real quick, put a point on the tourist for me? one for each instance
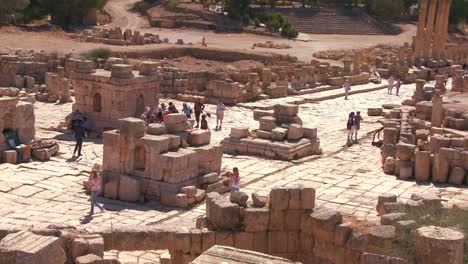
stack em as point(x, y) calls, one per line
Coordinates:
point(77, 115)
point(187, 110)
point(95, 187)
point(390, 84)
point(79, 133)
point(350, 127)
point(446, 76)
point(199, 107)
point(347, 86)
point(172, 109)
point(465, 68)
point(146, 114)
point(428, 76)
point(377, 75)
point(397, 86)
point(220, 114)
point(357, 124)
point(235, 179)
point(162, 112)
point(204, 123)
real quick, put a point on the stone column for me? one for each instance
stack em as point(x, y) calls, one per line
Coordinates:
point(443, 38)
point(437, 110)
point(65, 91)
point(419, 42)
point(438, 245)
point(429, 29)
point(438, 28)
point(347, 66)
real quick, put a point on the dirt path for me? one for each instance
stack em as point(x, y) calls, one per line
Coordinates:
point(123, 16)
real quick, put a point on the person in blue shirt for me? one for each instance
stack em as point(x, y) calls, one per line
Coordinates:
point(79, 133)
point(187, 110)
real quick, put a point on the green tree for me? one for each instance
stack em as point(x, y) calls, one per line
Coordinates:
point(387, 8)
point(68, 12)
point(458, 11)
point(10, 7)
point(236, 8)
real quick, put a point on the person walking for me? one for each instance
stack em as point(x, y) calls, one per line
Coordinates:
point(198, 107)
point(390, 84)
point(187, 110)
point(397, 86)
point(347, 87)
point(79, 134)
point(350, 128)
point(357, 124)
point(95, 187)
point(220, 115)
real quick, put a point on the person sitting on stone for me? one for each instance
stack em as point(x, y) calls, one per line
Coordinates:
point(235, 179)
point(172, 109)
point(146, 114)
point(204, 123)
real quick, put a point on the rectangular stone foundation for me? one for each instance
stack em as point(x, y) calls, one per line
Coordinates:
point(222, 254)
point(284, 150)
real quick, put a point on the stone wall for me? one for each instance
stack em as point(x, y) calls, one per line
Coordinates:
point(170, 162)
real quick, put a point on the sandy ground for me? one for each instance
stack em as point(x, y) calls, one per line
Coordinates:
point(12, 38)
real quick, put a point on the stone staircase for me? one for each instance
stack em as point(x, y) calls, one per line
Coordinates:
point(333, 21)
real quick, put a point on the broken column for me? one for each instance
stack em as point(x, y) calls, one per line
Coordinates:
point(439, 245)
point(65, 91)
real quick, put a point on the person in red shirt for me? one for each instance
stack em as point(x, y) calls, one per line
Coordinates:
point(235, 179)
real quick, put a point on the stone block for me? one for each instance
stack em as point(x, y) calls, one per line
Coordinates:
point(165, 258)
point(457, 176)
point(173, 199)
point(257, 114)
point(260, 242)
point(222, 213)
point(10, 156)
point(277, 242)
point(385, 198)
point(427, 199)
point(256, 219)
point(243, 240)
point(149, 68)
point(156, 129)
point(199, 137)
point(225, 238)
point(422, 166)
point(87, 244)
point(132, 126)
point(292, 219)
point(239, 133)
point(263, 134)
point(88, 259)
point(129, 189)
point(342, 233)
point(209, 178)
point(389, 166)
point(279, 198)
point(392, 218)
point(295, 132)
point(382, 236)
point(307, 197)
point(111, 190)
point(208, 239)
point(324, 223)
point(190, 191)
point(26, 247)
point(294, 199)
point(286, 109)
point(265, 126)
point(175, 118)
point(405, 151)
point(279, 133)
point(405, 169)
point(195, 241)
point(374, 111)
point(258, 201)
point(276, 220)
point(41, 154)
point(239, 198)
point(122, 71)
point(182, 240)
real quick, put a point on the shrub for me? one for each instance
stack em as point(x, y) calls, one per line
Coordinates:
point(99, 53)
point(387, 8)
point(142, 6)
point(172, 4)
point(288, 31)
point(257, 22)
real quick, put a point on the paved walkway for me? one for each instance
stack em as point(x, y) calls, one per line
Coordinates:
point(347, 178)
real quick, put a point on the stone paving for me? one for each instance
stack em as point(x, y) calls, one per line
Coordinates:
point(346, 178)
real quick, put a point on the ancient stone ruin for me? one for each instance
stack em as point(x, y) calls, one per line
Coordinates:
point(120, 37)
point(288, 229)
point(107, 96)
point(426, 138)
point(281, 135)
point(169, 162)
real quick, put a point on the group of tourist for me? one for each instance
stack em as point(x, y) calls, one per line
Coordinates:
point(353, 126)
point(156, 114)
point(391, 84)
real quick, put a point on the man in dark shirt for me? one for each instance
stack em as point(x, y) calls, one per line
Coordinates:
point(79, 133)
point(198, 107)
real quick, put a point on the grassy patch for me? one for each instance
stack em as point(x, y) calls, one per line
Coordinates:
point(453, 218)
point(99, 53)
